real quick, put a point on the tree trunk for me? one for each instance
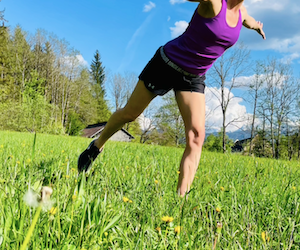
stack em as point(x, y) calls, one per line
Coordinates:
point(278, 141)
point(252, 125)
point(264, 136)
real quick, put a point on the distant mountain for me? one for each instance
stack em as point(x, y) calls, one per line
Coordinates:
point(239, 135)
point(236, 135)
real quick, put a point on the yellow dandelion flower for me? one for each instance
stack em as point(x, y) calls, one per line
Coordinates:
point(1, 146)
point(125, 199)
point(53, 211)
point(218, 209)
point(294, 188)
point(73, 169)
point(63, 151)
point(167, 219)
point(158, 229)
point(75, 180)
point(156, 181)
point(28, 160)
point(67, 176)
point(51, 151)
point(222, 188)
point(177, 229)
point(74, 197)
point(18, 162)
point(263, 236)
point(23, 145)
point(178, 172)
point(105, 234)
point(43, 155)
point(130, 201)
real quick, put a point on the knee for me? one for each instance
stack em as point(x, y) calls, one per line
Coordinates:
point(195, 137)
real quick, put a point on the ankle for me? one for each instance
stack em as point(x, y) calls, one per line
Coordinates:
point(98, 145)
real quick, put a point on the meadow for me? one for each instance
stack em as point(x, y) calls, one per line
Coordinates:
point(129, 200)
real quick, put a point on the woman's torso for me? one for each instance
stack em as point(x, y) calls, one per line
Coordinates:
point(204, 41)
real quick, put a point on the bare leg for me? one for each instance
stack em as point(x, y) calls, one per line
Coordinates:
point(192, 109)
point(139, 100)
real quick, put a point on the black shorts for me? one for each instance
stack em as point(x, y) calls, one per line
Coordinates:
point(160, 78)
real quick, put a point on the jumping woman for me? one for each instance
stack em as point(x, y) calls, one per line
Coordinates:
point(181, 65)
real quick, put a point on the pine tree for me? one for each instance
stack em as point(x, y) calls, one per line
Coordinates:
point(97, 72)
point(98, 78)
point(2, 17)
point(6, 80)
point(21, 61)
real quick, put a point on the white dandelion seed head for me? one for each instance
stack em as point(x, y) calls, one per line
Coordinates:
point(31, 198)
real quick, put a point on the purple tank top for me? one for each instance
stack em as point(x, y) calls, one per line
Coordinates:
point(204, 40)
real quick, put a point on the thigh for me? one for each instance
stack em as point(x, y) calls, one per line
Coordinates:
point(192, 109)
point(139, 99)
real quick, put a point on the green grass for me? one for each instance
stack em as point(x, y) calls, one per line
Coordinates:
point(258, 198)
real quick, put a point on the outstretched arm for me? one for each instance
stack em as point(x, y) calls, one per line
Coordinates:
point(250, 23)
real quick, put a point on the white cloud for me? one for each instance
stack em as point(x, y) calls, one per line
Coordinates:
point(139, 32)
point(289, 58)
point(281, 24)
point(148, 7)
point(289, 47)
point(275, 5)
point(177, 1)
point(133, 43)
point(73, 61)
point(179, 28)
point(235, 111)
point(283, 45)
point(81, 60)
point(145, 123)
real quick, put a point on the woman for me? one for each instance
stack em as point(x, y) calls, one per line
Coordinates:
point(181, 65)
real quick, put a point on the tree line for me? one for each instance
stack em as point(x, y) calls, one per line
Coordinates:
point(45, 87)
point(273, 93)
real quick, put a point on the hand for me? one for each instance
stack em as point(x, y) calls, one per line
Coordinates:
point(260, 29)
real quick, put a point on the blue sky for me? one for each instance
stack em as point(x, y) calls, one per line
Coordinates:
point(127, 33)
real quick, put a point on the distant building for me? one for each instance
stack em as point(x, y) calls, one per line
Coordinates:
point(94, 131)
point(239, 145)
